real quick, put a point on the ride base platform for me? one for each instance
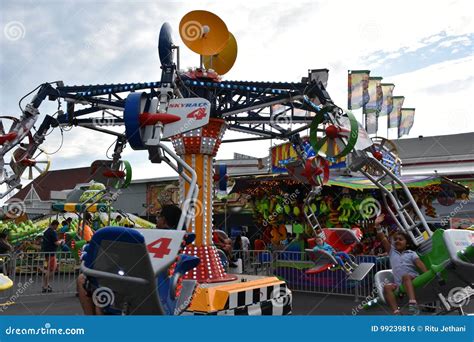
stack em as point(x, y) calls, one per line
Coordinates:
point(247, 295)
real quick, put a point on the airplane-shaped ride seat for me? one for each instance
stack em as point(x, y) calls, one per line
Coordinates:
point(117, 260)
point(341, 239)
point(446, 270)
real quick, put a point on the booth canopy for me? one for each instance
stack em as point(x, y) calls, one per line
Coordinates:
point(354, 183)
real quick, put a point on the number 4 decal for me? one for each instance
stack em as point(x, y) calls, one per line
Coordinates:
point(159, 247)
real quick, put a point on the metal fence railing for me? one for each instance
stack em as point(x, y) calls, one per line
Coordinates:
point(255, 262)
point(292, 266)
point(28, 271)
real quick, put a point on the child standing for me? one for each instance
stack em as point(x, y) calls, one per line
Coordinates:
point(405, 265)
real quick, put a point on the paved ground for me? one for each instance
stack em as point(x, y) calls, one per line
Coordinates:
point(303, 304)
point(30, 301)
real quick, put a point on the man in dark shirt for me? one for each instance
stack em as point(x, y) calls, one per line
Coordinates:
point(5, 248)
point(169, 217)
point(48, 247)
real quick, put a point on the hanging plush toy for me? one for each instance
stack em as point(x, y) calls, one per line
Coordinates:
point(430, 210)
point(346, 207)
point(278, 234)
point(333, 219)
point(356, 213)
point(323, 208)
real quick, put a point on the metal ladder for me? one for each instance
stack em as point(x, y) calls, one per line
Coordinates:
point(402, 208)
point(309, 213)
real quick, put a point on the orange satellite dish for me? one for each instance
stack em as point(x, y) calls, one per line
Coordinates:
point(203, 32)
point(224, 60)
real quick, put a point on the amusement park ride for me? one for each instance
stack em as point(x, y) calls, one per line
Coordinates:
point(193, 109)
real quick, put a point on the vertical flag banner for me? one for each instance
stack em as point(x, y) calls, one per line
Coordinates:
point(375, 95)
point(372, 108)
point(394, 115)
point(387, 101)
point(406, 121)
point(371, 124)
point(357, 90)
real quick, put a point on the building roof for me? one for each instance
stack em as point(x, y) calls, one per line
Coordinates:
point(55, 180)
point(450, 155)
point(458, 146)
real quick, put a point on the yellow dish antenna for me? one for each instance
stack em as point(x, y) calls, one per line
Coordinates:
point(224, 60)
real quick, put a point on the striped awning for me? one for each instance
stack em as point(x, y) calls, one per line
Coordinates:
point(79, 207)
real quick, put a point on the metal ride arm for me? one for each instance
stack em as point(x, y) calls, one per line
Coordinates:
point(414, 224)
point(156, 152)
point(309, 213)
point(190, 198)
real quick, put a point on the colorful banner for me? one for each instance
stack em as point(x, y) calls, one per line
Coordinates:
point(407, 118)
point(158, 195)
point(362, 183)
point(282, 155)
point(387, 100)
point(375, 96)
point(371, 123)
point(358, 83)
point(285, 153)
point(394, 116)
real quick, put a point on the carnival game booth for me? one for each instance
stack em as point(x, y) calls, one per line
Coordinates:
point(346, 207)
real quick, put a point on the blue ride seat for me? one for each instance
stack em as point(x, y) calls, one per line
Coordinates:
point(118, 258)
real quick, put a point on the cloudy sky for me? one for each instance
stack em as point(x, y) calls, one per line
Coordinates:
point(424, 47)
